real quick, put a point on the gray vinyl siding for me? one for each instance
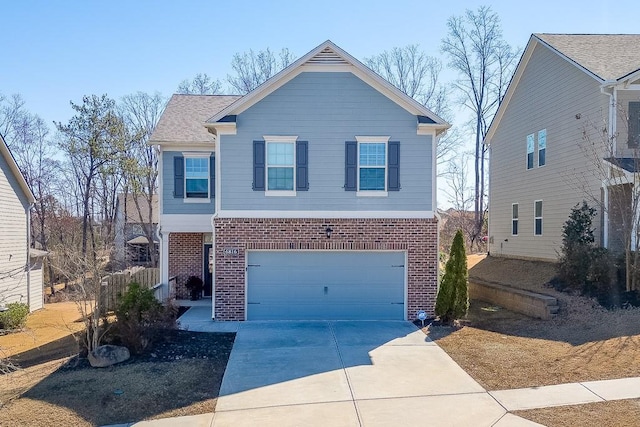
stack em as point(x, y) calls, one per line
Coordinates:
point(326, 109)
point(549, 95)
point(13, 238)
point(622, 147)
point(172, 205)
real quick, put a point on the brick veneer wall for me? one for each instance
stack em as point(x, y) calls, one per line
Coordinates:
point(416, 236)
point(185, 259)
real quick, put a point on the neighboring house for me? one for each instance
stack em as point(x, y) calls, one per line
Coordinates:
point(572, 99)
point(311, 197)
point(20, 268)
point(132, 220)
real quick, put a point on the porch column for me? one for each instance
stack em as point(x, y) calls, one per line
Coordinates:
point(634, 198)
point(164, 262)
point(605, 215)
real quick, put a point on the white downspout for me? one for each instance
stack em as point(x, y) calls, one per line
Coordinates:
point(28, 265)
point(611, 129)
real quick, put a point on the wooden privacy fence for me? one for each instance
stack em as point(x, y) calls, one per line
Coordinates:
point(116, 284)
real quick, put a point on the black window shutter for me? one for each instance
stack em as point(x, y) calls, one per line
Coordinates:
point(393, 166)
point(634, 123)
point(212, 176)
point(178, 177)
point(302, 166)
point(258, 165)
point(351, 166)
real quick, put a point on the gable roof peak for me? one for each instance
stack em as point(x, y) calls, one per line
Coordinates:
point(328, 54)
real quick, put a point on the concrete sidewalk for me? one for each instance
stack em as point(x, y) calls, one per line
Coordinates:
point(365, 374)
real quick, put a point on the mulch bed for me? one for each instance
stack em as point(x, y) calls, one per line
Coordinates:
point(176, 345)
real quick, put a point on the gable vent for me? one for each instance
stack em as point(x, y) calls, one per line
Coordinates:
point(327, 56)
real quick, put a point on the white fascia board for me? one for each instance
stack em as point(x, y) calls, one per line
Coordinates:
point(325, 214)
point(183, 148)
point(221, 128)
point(165, 144)
point(186, 223)
point(4, 151)
point(432, 128)
point(187, 146)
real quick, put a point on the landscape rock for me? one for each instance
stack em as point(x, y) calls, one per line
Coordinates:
point(107, 355)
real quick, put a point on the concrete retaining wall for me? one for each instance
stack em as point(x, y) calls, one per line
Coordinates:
point(525, 302)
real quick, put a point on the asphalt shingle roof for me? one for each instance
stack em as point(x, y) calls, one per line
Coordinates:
point(184, 117)
point(608, 56)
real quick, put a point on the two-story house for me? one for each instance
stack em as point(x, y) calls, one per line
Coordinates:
point(311, 197)
point(20, 267)
point(135, 219)
point(567, 130)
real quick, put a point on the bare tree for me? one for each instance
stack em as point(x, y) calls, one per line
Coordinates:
point(622, 193)
point(460, 197)
point(12, 111)
point(485, 62)
point(254, 68)
point(141, 112)
point(418, 75)
point(201, 84)
point(34, 154)
point(413, 72)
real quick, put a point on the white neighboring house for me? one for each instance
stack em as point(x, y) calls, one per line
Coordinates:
point(20, 276)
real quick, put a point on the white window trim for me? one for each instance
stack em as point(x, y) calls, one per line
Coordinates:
point(199, 155)
point(279, 139)
point(516, 219)
point(538, 217)
point(538, 148)
point(373, 140)
point(533, 153)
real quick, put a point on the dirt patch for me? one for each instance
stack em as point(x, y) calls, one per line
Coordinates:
point(521, 274)
point(621, 413)
point(181, 376)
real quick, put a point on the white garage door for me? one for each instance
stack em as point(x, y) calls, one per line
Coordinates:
point(325, 285)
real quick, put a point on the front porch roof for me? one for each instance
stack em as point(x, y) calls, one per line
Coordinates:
point(628, 164)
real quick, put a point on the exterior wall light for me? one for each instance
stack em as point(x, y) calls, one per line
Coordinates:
point(328, 232)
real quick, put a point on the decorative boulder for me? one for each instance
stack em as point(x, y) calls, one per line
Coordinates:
point(107, 355)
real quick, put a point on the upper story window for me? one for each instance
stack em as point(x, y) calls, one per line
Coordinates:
point(634, 124)
point(531, 143)
point(196, 177)
point(542, 147)
point(372, 166)
point(280, 166)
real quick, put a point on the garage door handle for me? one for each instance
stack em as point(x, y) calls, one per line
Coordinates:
point(252, 303)
point(326, 290)
point(397, 303)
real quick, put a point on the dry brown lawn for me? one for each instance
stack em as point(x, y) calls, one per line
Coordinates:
point(55, 321)
point(182, 377)
point(585, 342)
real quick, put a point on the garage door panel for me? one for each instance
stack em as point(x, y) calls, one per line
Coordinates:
point(325, 285)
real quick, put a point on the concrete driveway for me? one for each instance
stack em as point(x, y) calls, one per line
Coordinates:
point(348, 374)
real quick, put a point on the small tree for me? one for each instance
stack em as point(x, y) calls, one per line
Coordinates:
point(453, 297)
point(577, 245)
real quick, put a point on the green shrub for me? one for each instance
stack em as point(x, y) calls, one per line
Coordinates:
point(577, 247)
point(15, 317)
point(452, 301)
point(141, 319)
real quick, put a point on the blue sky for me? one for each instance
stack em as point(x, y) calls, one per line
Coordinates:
point(54, 52)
